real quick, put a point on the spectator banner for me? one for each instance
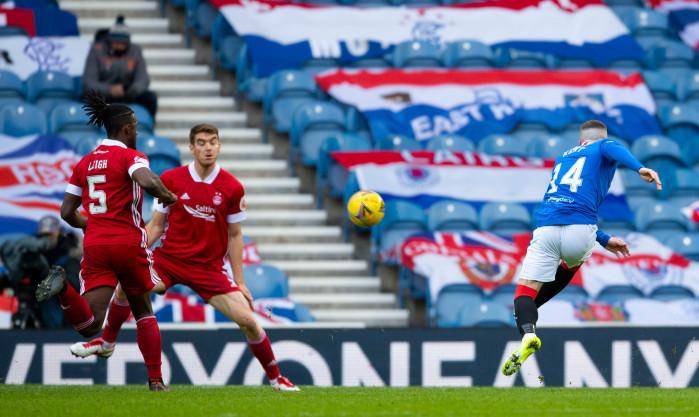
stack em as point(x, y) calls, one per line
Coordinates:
point(34, 171)
point(683, 16)
point(482, 259)
point(426, 177)
point(285, 34)
point(38, 20)
point(692, 211)
point(21, 18)
point(641, 311)
point(620, 357)
point(427, 103)
point(24, 56)
point(651, 265)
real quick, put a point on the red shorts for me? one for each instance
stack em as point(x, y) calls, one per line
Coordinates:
point(206, 282)
point(107, 265)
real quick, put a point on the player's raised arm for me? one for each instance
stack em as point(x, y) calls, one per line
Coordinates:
point(150, 182)
point(614, 151)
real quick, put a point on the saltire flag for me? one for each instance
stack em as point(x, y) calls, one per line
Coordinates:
point(21, 18)
point(683, 16)
point(692, 211)
point(426, 103)
point(478, 258)
point(285, 34)
point(425, 177)
point(34, 171)
point(24, 56)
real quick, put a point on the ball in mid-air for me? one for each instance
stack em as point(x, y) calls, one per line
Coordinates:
point(365, 208)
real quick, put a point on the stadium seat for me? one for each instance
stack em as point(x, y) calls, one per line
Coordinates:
point(488, 314)
point(661, 217)
point(643, 22)
point(22, 120)
point(688, 87)
point(667, 54)
point(397, 143)
point(451, 301)
point(311, 124)
point(162, 153)
point(451, 216)
point(318, 65)
point(331, 177)
point(686, 183)
point(12, 31)
point(401, 220)
point(549, 147)
point(503, 145)
point(657, 152)
point(416, 54)
point(10, 85)
point(468, 54)
point(145, 120)
point(225, 44)
point(356, 122)
point(450, 143)
point(686, 244)
point(573, 294)
point(49, 88)
point(504, 294)
point(660, 85)
point(303, 314)
point(266, 281)
point(248, 85)
point(505, 218)
point(377, 62)
point(671, 293)
point(69, 118)
point(681, 121)
point(618, 294)
point(521, 58)
point(286, 90)
point(86, 144)
point(204, 16)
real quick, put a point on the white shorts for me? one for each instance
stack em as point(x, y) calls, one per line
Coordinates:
point(550, 245)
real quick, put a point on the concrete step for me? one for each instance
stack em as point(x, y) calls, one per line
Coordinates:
point(271, 184)
point(325, 284)
point(228, 136)
point(322, 268)
point(188, 88)
point(195, 103)
point(278, 201)
point(282, 234)
point(110, 9)
point(271, 252)
point(259, 167)
point(168, 119)
point(284, 217)
point(136, 24)
point(370, 300)
point(169, 56)
point(179, 72)
point(370, 317)
point(239, 150)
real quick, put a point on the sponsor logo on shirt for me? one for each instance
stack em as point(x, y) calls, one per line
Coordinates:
point(201, 212)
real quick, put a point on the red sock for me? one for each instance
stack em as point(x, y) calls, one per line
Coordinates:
point(523, 290)
point(119, 312)
point(150, 344)
point(262, 349)
point(75, 308)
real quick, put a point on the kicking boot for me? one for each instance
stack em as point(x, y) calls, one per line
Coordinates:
point(283, 384)
point(530, 344)
point(94, 347)
point(157, 385)
point(54, 283)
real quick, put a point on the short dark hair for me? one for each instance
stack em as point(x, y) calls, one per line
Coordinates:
point(202, 128)
point(593, 124)
point(102, 114)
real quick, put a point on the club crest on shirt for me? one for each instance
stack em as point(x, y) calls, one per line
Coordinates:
point(218, 199)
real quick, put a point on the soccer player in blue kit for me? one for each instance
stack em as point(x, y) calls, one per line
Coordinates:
point(567, 227)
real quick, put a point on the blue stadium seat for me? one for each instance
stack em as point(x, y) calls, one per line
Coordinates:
point(618, 294)
point(452, 216)
point(377, 62)
point(69, 118)
point(162, 153)
point(488, 314)
point(681, 121)
point(635, 185)
point(248, 85)
point(686, 244)
point(225, 44)
point(549, 147)
point(662, 86)
point(657, 152)
point(317, 65)
point(397, 143)
point(303, 314)
point(416, 54)
point(688, 88)
point(504, 294)
point(356, 122)
point(12, 31)
point(468, 54)
point(10, 85)
point(451, 301)
point(286, 91)
point(330, 176)
point(646, 22)
point(49, 88)
point(311, 124)
point(667, 54)
point(450, 143)
point(145, 120)
point(266, 281)
point(505, 218)
point(686, 183)
point(661, 217)
point(573, 294)
point(401, 220)
point(521, 58)
point(503, 145)
point(672, 293)
point(86, 144)
point(22, 119)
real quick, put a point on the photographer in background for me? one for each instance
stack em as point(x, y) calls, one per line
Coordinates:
point(28, 260)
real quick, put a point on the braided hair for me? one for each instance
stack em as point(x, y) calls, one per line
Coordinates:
point(102, 114)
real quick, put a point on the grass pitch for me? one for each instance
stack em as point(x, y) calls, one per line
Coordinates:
point(189, 401)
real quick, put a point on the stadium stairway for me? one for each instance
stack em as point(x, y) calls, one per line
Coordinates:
point(290, 233)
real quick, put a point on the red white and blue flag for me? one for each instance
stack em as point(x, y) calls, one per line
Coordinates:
point(425, 103)
point(34, 171)
point(692, 212)
point(683, 16)
point(21, 18)
point(424, 177)
point(285, 34)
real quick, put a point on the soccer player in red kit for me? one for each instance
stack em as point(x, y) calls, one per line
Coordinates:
point(203, 227)
point(108, 182)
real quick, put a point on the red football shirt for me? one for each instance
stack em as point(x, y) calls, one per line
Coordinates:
point(197, 229)
point(111, 199)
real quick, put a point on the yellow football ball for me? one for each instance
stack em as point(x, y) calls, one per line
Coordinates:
point(365, 208)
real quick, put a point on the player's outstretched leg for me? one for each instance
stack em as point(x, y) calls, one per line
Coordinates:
point(234, 306)
point(148, 339)
point(526, 315)
point(564, 274)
